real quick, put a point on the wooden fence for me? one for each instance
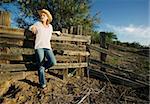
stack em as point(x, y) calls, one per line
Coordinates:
point(104, 71)
point(17, 53)
point(78, 30)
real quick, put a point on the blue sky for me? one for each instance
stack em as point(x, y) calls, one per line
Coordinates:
point(128, 19)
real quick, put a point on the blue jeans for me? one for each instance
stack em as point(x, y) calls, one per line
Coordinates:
point(45, 59)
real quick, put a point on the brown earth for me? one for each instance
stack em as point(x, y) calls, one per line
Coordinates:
point(26, 90)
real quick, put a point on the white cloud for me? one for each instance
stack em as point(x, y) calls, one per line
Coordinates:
point(131, 33)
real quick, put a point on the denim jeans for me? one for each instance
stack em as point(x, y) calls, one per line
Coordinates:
point(45, 59)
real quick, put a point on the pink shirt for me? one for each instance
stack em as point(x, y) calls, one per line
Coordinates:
point(43, 35)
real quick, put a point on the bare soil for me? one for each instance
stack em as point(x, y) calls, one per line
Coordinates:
point(74, 89)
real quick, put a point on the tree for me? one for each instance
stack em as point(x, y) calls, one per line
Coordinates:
point(110, 37)
point(65, 13)
point(95, 37)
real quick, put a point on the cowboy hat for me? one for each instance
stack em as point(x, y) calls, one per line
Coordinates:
point(47, 13)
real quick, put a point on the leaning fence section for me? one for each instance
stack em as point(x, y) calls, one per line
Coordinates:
point(17, 51)
point(113, 73)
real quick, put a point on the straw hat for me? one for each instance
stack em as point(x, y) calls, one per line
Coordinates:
point(47, 13)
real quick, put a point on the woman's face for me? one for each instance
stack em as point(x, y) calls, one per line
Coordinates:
point(43, 17)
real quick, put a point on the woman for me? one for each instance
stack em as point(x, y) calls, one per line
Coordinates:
point(43, 30)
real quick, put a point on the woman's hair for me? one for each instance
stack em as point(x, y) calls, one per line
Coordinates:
point(47, 22)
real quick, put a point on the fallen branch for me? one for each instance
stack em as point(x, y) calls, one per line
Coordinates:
point(84, 97)
point(109, 82)
point(97, 91)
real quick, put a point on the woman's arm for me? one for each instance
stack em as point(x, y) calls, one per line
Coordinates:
point(57, 32)
point(33, 29)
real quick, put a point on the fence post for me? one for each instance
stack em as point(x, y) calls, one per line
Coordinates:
point(71, 30)
point(103, 45)
point(79, 30)
point(5, 18)
point(85, 30)
point(64, 30)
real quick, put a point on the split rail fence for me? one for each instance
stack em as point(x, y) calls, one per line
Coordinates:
point(17, 53)
point(112, 73)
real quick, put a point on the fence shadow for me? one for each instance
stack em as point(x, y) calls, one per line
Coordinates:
point(30, 82)
point(29, 43)
point(29, 39)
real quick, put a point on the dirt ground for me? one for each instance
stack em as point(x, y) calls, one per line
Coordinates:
point(71, 91)
point(75, 90)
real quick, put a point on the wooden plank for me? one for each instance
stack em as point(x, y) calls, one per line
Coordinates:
point(16, 50)
point(12, 31)
point(108, 66)
point(79, 71)
point(28, 58)
point(64, 46)
point(70, 59)
point(99, 49)
point(5, 18)
point(122, 48)
point(15, 42)
point(1, 18)
point(8, 19)
point(71, 30)
point(69, 65)
point(85, 31)
point(16, 36)
point(15, 32)
point(81, 53)
point(54, 38)
point(64, 38)
point(31, 51)
point(8, 42)
point(9, 45)
point(78, 30)
point(22, 67)
point(116, 79)
point(81, 30)
point(64, 30)
point(18, 58)
point(14, 67)
point(10, 57)
point(10, 35)
point(88, 38)
point(4, 62)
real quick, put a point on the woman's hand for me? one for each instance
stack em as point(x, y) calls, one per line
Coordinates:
point(58, 33)
point(33, 29)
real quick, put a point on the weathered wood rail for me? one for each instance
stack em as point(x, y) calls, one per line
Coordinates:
point(117, 79)
point(17, 53)
point(118, 75)
point(114, 73)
